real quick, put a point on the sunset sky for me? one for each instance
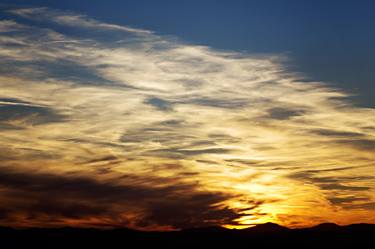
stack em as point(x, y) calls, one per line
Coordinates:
point(158, 115)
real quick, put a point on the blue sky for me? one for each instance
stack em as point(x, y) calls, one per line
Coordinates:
point(330, 41)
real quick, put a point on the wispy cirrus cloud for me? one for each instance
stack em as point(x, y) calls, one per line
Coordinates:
point(71, 19)
point(125, 103)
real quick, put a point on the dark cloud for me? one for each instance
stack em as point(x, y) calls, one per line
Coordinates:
point(260, 163)
point(202, 143)
point(195, 211)
point(352, 202)
point(331, 169)
point(203, 215)
point(182, 153)
point(335, 133)
point(244, 161)
point(283, 113)
point(332, 183)
point(361, 144)
point(171, 123)
point(103, 159)
point(355, 140)
point(95, 142)
point(38, 195)
point(9, 127)
point(29, 114)
point(165, 105)
point(28, 154)
point(337, 186)
point(221, 137)
point(310, 175)
point(206, 161)
point(191, 83)
point(156, 134)
point(14, 101)
point(65, 208)
point(218, 103)
point(366, 206)
point(205, 151)
point(346, 200)
point(342, 191)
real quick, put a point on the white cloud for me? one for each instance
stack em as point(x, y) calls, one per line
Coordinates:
point(73, 20)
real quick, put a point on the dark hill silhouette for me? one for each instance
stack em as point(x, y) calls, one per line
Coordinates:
point(267, 235)
point(326, 227)
point(360, 226)
point(211, 229)
point(266, 228)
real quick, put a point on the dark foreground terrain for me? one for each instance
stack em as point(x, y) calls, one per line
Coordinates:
point(262, 236)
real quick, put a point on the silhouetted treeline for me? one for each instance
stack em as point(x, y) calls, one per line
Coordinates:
point(262, 236)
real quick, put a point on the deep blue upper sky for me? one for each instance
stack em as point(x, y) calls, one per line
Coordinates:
point(331, 41)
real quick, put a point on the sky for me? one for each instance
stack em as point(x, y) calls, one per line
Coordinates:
point(164, 115)
point(329, 41)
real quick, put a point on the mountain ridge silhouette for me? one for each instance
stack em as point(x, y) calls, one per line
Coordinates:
point(262, 227)
point(268, 235)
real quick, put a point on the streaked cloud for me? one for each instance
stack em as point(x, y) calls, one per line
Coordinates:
point(19, 114)
point(130, 128)
point(70, 19)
